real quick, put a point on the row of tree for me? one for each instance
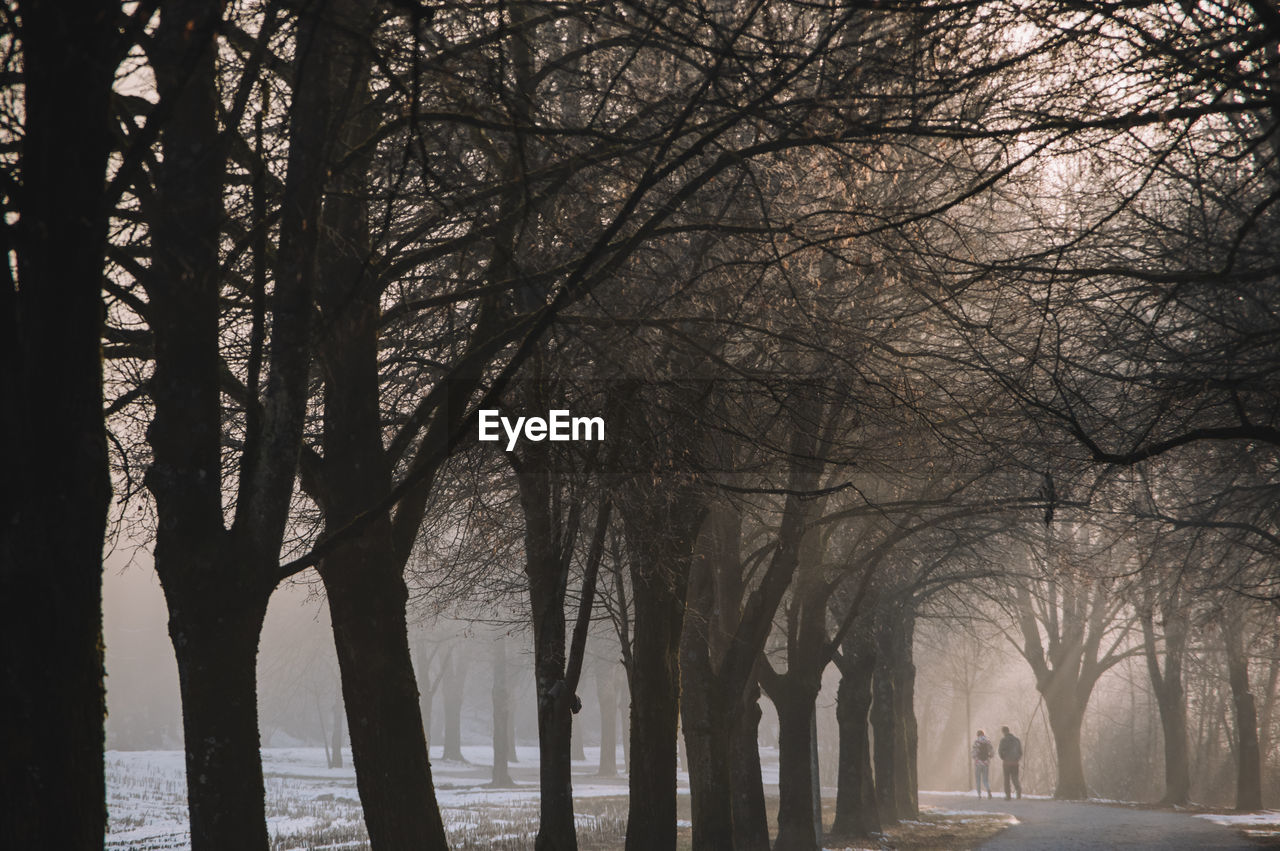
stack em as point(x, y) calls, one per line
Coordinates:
point(858, 291)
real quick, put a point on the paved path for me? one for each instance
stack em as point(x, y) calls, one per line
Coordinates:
point(1046, 825)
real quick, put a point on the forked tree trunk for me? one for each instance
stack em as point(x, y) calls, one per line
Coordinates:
point(388, 746)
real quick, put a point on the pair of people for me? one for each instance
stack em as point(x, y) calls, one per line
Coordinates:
point(1010, 752)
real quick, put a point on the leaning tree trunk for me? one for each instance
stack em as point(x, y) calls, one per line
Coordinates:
point(52, 436)
point(857, 814)
point(388, 747)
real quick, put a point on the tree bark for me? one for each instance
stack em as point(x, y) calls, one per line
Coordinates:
point(883, 708)
point(750, 816)
point(217, 649)
point(857, 814)
point(53, 506)
point(607, 695)
point(1170, 697)
point(501, 695)
point(1065, 720)
point(456, 673)
point(795, 771)
point(660, 533)
point(1248, 756)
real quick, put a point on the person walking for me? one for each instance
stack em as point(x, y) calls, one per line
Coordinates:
point(1010, 756)
point(982, 751)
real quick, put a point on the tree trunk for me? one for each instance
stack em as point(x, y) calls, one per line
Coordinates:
point(388, 747)
point(705, 718)
point(216, 643)
point(335, 760)
point(856, 812)
point(607, 695)
point(1248, 757)
point(655, 707)
point(708, 743)
point(750, 816)
point(53, 506)
point(883, 707)
point(660, 531)
point(1065, 720)
point(501, 716)
point(906, 729)
point(795, 772)
point(1171, 699)
point(452, 699)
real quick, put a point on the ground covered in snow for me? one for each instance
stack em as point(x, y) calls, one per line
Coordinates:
point(311, 806)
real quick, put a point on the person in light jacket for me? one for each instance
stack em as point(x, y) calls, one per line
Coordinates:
point(982, 751)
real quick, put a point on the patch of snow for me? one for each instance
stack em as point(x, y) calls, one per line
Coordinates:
point(1266, 817)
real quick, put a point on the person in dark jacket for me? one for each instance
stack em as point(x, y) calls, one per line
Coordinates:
point(1010, 755)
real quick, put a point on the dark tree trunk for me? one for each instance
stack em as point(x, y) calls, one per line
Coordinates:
point(796, 829)
point(708, 744)
point(216, 643)
point(53, 506)
point(607, 695)
point(660, 529)
point(655, 707)
point(706, 719)
point(501, 716)
point(906, 730)
point(556, 830)
point(1248, 756)
point(1171, 699)
point(857, 814)
point(884, 706)
point(388, 746)
point(750, 817)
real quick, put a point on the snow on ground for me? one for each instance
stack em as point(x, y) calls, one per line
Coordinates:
point(1266, 817)
point(310, 803)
